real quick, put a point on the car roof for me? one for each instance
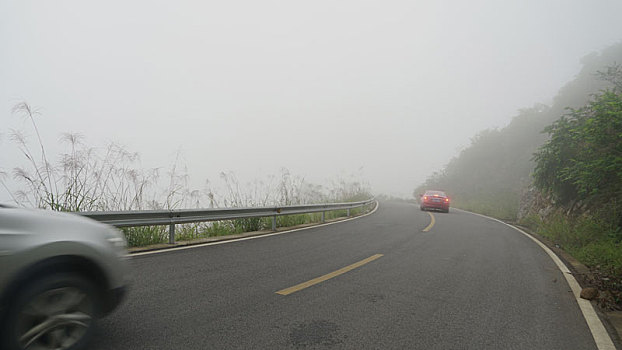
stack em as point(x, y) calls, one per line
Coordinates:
point(435, 192)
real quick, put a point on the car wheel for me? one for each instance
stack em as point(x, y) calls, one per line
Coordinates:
point(422, 208)
point(53, 312)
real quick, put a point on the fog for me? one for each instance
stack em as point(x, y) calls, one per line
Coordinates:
point(383, 91)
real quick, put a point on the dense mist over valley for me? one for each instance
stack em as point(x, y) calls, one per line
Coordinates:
point(375, 96)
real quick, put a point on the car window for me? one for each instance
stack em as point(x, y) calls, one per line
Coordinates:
point(435, 193)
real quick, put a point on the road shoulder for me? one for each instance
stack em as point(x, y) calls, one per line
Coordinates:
point(606, 327)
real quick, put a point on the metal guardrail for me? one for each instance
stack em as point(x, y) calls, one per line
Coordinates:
point(173, 217)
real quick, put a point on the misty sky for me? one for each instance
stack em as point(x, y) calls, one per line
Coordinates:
point(386, 90)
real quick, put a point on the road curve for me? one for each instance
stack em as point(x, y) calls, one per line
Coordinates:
point(467, 283)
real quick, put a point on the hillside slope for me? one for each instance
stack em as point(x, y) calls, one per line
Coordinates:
point(490, 174)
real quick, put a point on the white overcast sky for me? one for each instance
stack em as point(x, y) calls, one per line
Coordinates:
point(386, 90)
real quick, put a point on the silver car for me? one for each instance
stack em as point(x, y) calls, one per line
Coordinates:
point(58, 273)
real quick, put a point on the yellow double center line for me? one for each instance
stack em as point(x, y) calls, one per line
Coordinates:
point(432, 221)
point(328, 276)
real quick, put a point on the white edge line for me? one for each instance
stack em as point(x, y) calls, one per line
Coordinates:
point(166, 250)
point(599, 333)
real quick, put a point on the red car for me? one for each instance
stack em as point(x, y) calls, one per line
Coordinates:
point(434, 200)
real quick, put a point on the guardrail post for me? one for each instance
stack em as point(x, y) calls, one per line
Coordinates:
point(171, 234)
point(323, 217)
point(348, 212)
point(274, 223)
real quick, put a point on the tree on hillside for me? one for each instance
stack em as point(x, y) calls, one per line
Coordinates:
point(490, 175)
point(582, 161)
point(613, 75)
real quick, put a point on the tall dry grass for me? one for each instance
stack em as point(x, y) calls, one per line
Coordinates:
point(84, 178)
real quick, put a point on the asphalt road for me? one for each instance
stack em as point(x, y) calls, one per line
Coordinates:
point(467, 283)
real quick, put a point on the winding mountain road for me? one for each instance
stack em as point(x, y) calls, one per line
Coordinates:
point(377, 282)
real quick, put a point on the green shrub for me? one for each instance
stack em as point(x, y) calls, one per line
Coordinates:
point(591, 239)
point(145, 235)
point(582, 161)
point(605, 254)
point(501, 205)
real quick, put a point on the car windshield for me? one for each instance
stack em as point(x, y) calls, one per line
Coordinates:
point(436, 193)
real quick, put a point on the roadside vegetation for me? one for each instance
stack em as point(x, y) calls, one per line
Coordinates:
point(556, 170)
point(85, 178)
point(579, 171)
point(151, 235)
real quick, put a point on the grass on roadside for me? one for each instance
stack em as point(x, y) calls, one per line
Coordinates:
point(594, 239)
point(145, 235)
point(148, 235)
point(501, 205)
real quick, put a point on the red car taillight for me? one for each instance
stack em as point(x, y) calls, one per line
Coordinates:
point(447, 200)
point(425, 198)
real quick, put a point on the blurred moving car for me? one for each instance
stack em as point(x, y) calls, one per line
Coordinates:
point(434, 200)
point(58, 273)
